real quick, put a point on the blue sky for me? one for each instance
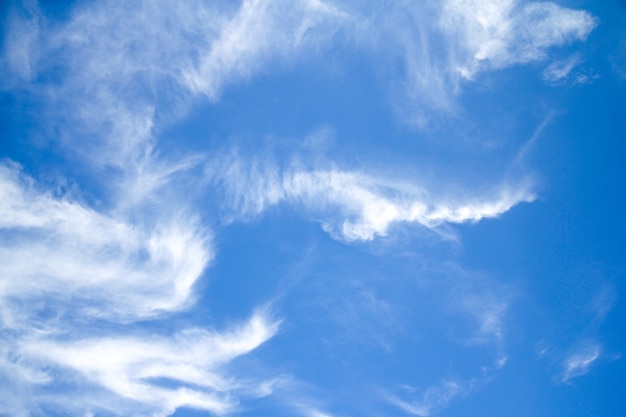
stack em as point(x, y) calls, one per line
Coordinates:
point(312, 208)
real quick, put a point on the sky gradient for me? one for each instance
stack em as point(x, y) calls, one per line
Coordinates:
point(312, 208)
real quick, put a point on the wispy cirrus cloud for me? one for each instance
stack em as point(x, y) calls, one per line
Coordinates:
point(56, 249)
point(262, 32)
point(77, 279)
point(434, 398)
point(157, 374)
point(112, 76)
point(578, 358)
point(127, 71)
point(579, 362)
point(352, 205)
point(136, 374)
point(495, 34)
point(73, 283)
point(446, 44)
point(559, 70)
point(158, 58)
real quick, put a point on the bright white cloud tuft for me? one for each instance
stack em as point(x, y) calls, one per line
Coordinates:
point(352, 205)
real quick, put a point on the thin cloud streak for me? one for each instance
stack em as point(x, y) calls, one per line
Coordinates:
point(559, 70)
point(579, 362)
point(435, 398)
point(352, 205)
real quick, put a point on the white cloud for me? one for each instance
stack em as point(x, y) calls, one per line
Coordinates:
point(352, 205)
point(565, 72)
point(75, 280)
point(308, 410)
point(559, 70)
point(435, 398)
point(488, 311)
point(260, 31)
point(72, 283)
point(70, 275)
point(123, 62)
point(489, 34)
point(139, 368)
point(124, 71)
point(128, 70)
point(430, 50)
point(579, 362)
point(131, 375)
point(61, 251)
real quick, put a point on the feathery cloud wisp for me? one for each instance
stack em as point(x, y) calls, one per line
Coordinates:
point(58, 250)
point(352, 205)
point(446, 44)
point(579, 362)
point(78, 280)
point(159, 373)
point(435, 398)
point(496, 34)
